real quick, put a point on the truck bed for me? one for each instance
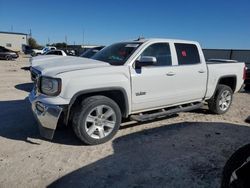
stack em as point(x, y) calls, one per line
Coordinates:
point(216, 69)
point(218, 61)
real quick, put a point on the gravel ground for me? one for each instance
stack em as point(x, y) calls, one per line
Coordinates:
point(186, 150)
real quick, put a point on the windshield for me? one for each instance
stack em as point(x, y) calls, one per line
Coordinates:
point(45, 49)
point(116, 54)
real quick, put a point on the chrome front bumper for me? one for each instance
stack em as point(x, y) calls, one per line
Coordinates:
point(47, 116)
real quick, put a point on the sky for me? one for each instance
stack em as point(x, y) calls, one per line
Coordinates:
point(214, 23)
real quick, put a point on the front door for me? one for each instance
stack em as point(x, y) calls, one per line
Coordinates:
point(151, 85)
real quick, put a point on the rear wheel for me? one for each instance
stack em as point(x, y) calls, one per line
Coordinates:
point(97, 120)
point(222, 100)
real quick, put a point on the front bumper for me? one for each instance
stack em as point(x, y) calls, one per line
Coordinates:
point(47, 116)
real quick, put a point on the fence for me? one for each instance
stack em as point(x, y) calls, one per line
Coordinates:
point(239, 55)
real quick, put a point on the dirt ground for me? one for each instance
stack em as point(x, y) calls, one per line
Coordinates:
point(187, 150)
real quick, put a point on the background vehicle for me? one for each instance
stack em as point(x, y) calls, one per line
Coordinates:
point(247, 80)
point(237, 169)
point(248, 119)
point(42, 51)
point(91, 52)
point(27, 49)
point(56, 52)
point(7, 54)
point(142, 80)
point(70, 52)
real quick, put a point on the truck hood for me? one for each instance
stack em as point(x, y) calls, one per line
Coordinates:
point(53, 65)
point(42, 59)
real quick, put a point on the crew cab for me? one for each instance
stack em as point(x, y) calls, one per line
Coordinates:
point(141, 80)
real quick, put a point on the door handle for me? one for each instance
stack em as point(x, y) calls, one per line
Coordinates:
point(170, 74)
point(201, 71)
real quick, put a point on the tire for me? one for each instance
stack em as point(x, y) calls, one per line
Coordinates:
point(9, 58)
point(236, 161)
point(219, 104)
point(96, 120)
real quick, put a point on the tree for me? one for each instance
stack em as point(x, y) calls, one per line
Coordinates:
point(60, 45)
point(32, 43)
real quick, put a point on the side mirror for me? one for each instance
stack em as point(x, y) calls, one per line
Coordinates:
point(145, 61)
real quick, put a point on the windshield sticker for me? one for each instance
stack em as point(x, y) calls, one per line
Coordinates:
point(132, 45)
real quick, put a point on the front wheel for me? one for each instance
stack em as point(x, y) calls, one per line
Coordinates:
point(97, 120)
point(222, 100)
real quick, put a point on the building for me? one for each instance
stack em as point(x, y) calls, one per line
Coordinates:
point(13, 41)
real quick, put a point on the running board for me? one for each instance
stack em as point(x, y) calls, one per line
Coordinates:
point(166, 112)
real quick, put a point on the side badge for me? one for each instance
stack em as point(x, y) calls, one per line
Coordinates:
point(140, 93)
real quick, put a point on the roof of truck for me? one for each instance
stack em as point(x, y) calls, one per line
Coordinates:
point(143, 40)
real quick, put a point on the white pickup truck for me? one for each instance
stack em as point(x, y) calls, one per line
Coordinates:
point(140, 80)
point(42, 51)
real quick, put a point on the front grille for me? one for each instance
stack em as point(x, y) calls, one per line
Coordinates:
point(34, 74)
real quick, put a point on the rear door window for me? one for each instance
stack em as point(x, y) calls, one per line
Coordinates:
point(187, 54)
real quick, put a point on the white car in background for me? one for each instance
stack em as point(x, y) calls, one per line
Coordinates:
point(56, 52)
point(43, 51)
point(48, 56)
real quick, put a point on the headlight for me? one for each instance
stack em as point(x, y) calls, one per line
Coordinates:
point(50, 86)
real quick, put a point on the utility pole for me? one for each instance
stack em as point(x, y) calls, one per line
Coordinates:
point(83, 37)
point(48, 41)
point(66, 41)
point(11, 28)
point(30, 34)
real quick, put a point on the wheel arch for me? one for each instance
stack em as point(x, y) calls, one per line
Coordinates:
point(117, 94)
point(228, 80)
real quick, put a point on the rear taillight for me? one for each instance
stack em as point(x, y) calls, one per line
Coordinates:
point(245, 73)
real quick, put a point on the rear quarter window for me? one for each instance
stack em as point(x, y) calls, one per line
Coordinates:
point(187, 54)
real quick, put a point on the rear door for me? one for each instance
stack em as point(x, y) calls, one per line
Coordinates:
point(190, 73)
